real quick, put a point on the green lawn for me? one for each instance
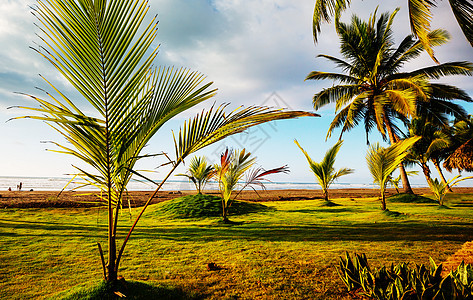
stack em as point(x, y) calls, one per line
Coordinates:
point(289, 252)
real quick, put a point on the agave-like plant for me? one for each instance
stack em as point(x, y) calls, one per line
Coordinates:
point(324, 171)
point(383, 161)
point(105, 51)
point(199, 172)
point(233, 166)
point(440, 189)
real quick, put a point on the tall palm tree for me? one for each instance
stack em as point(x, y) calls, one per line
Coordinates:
point(383, 161)
point(199, 172)
point(105, 51)
point(373, 90)
point(324, 171)
point(420, 15)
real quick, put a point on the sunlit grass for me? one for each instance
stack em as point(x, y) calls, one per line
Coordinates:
point(288, 252)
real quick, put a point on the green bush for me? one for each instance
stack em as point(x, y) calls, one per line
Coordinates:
point(403, 282)
point(206, 206)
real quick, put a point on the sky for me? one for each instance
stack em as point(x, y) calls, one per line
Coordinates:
point(255, 52)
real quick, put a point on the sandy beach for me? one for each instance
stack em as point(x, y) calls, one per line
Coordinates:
point(38, 199)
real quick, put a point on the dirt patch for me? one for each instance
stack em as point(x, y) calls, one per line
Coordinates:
point(42, 199)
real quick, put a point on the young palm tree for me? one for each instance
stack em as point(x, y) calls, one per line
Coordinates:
point(199, 172)
point(383, 161)
point(440, 189)
point(420, 15)
point(324, 171)
point(105, 51)
point(233, 167)
point(373, 90)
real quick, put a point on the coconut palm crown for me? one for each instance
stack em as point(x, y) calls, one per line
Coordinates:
point(374, 91)
point(420, 16)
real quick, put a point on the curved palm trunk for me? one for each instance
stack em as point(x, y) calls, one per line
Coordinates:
point(426, 171)
point(439, 170)
point(392, 138)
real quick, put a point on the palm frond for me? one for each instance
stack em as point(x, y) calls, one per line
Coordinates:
point(213, 125)
point(463, 11)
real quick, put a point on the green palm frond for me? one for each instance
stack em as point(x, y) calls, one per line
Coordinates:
point(323, 11)
point(215, 124)
point(325, 171)
point(420, 13)
point(383, 161)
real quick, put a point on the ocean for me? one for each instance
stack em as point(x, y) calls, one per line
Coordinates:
point(58, 183)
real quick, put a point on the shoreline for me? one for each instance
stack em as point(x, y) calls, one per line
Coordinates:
point(43, 199)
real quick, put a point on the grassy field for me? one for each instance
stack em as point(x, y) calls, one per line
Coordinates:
point(288, 252)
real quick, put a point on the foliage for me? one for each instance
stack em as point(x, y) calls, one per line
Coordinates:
point(420, 15)
point(205, 206)
point(403, 282)
point(324, 171)
point(395, 181)
point(383, 161)
point(199, 172)
point(105, 51)
point(375, 91)
point(233, 166)
point(440, 189)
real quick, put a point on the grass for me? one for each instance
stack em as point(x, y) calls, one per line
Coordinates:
point(287, 252)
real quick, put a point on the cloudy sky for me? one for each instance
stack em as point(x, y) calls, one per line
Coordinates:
point(255, 52)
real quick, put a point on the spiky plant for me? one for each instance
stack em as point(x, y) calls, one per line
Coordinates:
point(105, 51)
point(324, 171)
point(383, 161)
point(199, 172)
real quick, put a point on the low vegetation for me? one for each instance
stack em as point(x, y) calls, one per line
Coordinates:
point(287, 252)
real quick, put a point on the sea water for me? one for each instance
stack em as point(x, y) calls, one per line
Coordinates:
point(59, 183)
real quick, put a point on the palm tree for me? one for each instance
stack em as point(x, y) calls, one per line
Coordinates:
point(199, 172)
point(420, 15)
point(440, 189)
point(324, 171)
point(432, 140)
point(374, 91)
point(383, 161)
point(106, 53)
point(233, 166)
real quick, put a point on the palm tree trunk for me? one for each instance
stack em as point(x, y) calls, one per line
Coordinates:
point(325, 192)
point(383, 201)
point(426, 171)
point(392, 138)
point(439, 170)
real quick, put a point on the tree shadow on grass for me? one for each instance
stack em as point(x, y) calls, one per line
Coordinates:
point(131, 289)
point(409, 230)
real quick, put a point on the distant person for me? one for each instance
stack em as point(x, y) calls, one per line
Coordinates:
point(9, 189)
point(20, 186)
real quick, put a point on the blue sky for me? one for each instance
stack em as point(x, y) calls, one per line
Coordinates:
point(255, 52)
